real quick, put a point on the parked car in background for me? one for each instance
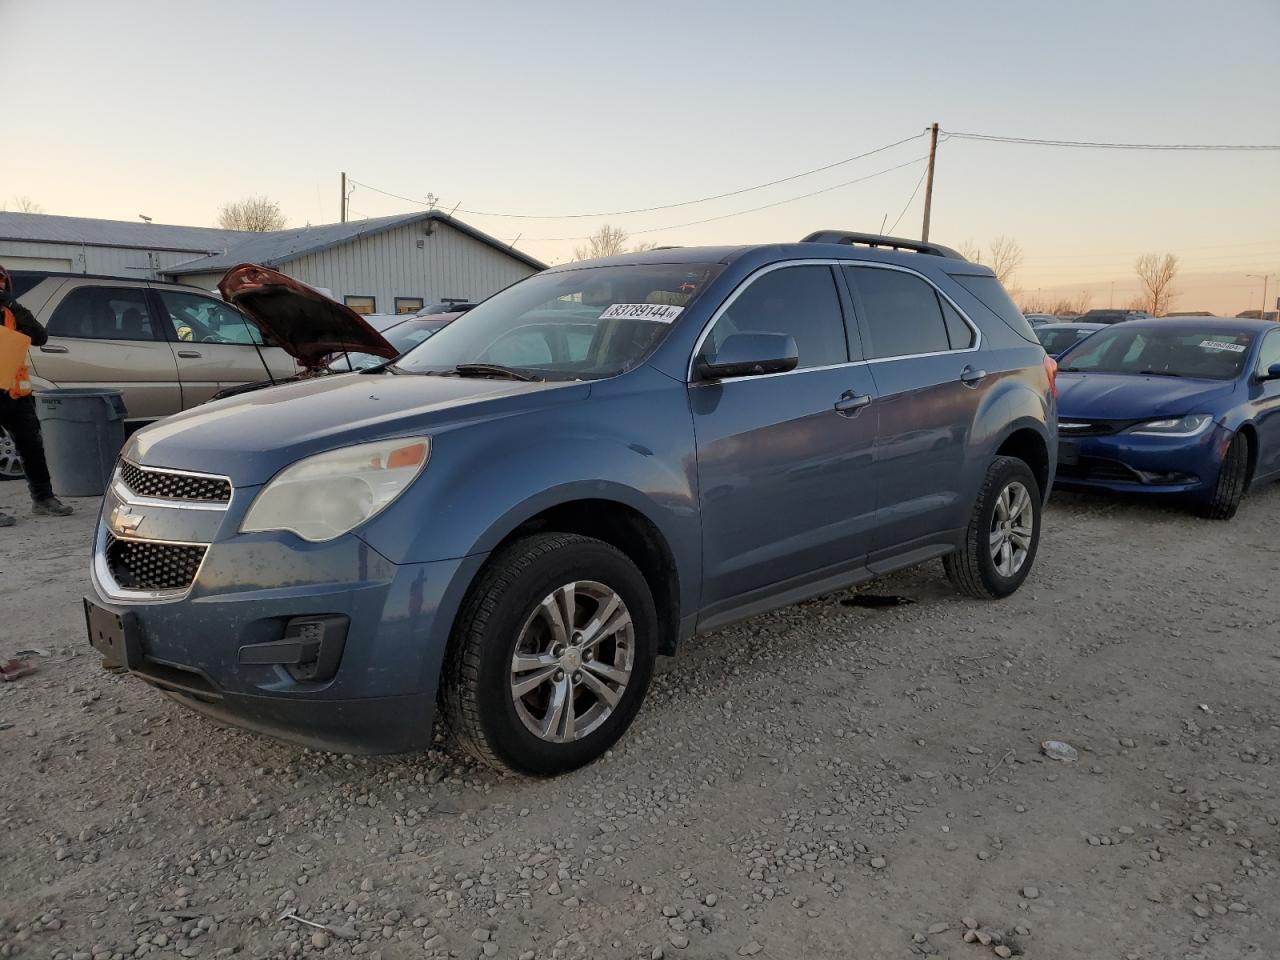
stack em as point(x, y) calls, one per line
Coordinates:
point(1183, 406)
point(165, 346)
point(446, 306)
point(1059, 337)
point(1040, 319)
point(1112, 316)
point(590, 467)
point(405, 334)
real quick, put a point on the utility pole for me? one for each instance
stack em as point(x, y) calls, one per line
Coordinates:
point(342, 208)
point(928, 183)
point(1264, 277)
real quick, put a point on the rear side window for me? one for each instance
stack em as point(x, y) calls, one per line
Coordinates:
point(993, 296)
point(104, 313)
point(900, 313)
point(800, 301)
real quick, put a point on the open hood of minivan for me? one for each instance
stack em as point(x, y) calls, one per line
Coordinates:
point(307, 324)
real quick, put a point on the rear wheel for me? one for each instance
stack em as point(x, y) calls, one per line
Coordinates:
point(1233, 477)
point(551, 655)
point(1003, 534)
point(10, 462)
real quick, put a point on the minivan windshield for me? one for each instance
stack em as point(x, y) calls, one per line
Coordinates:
point(1206, 352)
point(567, 325)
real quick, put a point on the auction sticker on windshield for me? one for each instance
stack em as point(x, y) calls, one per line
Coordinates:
point(1222, 345)
point(658, 312)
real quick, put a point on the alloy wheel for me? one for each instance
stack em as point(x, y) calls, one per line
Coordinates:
point(10, 462)
point(1012, 526)
point(572, 661)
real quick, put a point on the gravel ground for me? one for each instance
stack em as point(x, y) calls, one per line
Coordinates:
point(824, 781)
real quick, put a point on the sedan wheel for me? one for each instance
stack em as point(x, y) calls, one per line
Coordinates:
point(10, 462)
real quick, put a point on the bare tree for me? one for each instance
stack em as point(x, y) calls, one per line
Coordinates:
point(1157, 275)
point(1003, 256)
point(252, 213)
point(25, 204)
point(1057, 306)
point(605, 242)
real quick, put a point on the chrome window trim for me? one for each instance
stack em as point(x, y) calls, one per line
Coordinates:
point(782, 265)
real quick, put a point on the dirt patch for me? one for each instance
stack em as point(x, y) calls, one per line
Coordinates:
point(825, 781)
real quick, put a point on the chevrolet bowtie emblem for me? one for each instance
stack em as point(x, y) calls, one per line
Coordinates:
point(124, 521)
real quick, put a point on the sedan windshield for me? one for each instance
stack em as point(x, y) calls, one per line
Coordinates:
point(568, 325)
point(1206, 353)
point(1059, 338)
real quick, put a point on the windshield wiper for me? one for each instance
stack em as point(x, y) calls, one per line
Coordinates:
point(1158, 373)
point(492, 370)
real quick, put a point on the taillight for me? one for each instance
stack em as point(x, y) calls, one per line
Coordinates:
point(1051, 368)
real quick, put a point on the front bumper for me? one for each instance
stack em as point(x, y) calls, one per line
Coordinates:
point(1125, 463)
point(205, 644)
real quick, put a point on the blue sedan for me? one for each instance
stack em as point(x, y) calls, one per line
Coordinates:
point(1187, 406)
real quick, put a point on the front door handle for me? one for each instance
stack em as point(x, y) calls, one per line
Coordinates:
point(971, 376)
point(850, 403)
point(189, 354)
point(53, 348)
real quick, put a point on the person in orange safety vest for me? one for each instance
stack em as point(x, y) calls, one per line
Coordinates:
point(18, 412)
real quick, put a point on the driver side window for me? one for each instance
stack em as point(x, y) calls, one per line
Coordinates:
point(198, 319)
point(800, 301)
point(1269, 352)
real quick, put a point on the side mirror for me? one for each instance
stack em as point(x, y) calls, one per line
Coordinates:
point(1273, 372)
point(750, 355)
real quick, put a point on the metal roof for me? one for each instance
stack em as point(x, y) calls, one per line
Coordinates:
point(214, 249)
point(43, 228)
point(280, 246)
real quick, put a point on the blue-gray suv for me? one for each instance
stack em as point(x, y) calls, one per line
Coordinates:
point(514, 519)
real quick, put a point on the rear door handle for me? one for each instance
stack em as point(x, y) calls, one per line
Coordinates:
point(53, 348)
point(189, 354)
point(972, 377)
point(850, 403)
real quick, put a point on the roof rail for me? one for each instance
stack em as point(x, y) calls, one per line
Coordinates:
point(876, 240)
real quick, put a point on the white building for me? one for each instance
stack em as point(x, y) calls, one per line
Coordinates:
point(388, 265)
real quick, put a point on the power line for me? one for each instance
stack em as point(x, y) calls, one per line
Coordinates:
point(907, 206)
point(1099, 145)
point(663, 206)
point(739, 213)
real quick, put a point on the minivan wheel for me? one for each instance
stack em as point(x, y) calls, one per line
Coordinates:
point(1233, 477)
point(1003, 533)
point(10, 462)
point(551, 654)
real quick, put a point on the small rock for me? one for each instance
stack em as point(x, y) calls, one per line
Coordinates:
point(749, 949)
point(320, 940)
point(679, 941)
point(970, 923)
point(1002, 951)
point(1057, 750)
point(480, 934)
point(879, 863)
point(1031, 893)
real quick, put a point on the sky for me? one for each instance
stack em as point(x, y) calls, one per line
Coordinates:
point(170, 108)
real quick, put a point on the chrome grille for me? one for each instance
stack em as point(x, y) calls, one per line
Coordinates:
point(148, 565)
point(164, 485)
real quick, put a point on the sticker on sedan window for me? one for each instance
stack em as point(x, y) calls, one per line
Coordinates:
point(657, 312)
point(1222, 345)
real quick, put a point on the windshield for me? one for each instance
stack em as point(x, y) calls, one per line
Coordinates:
point(1206, 353)
point(573, 325)
point(1055, 341)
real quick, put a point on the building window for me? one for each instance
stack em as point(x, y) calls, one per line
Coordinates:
point(361, 304)
point(408, 304)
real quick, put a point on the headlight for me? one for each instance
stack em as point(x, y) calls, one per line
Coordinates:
point(1188, 426)
point(324, 496)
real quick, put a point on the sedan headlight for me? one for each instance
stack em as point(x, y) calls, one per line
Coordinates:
point(1188, 426)
point(325, 496)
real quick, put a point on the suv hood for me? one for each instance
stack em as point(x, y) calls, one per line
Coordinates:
point(302, 320)
point(251, 437)
point(1120, 396)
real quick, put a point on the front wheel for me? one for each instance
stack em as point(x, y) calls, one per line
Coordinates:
point(551, 655)
point(1003, 534)
point(1233, 477)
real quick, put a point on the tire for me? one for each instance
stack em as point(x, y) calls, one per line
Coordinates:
point(513, 607)
point(1233, 477)
point(974, 568)
point(10, 462)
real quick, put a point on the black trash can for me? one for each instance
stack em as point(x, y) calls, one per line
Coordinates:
point(83, 431)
